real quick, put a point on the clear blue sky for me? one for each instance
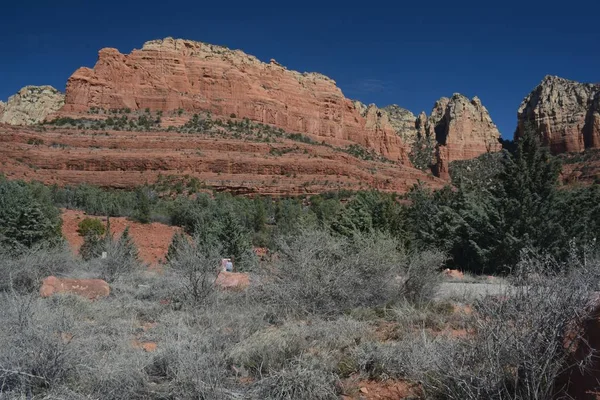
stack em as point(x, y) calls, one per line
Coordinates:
point(383, 52)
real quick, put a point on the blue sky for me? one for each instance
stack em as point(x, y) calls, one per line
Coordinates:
point(384, 52)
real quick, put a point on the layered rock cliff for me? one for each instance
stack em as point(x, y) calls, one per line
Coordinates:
point(31, 105)
point(460, 128)
point(463, 129)
point(172, 74)
point(564, 113)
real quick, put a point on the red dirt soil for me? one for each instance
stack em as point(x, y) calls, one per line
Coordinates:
point(152, 240)
point(381, 390)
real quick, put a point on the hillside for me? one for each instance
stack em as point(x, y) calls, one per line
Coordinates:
point(235, 156)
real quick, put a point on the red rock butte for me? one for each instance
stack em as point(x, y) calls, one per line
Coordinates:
point(173, 74)
point(181, 78)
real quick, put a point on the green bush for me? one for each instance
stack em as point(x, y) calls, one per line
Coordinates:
point(90, 226)
point(28, 216)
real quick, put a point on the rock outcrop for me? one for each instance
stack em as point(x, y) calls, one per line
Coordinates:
point(463, 129)
point(90, 288)
point(564, 113)
point(173, 74)
point(403, 121)
point(127, 159)
point(31, 105)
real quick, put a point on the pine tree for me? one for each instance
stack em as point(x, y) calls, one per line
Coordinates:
point(177, 242)
point(143, 206)
point(235, 241)
point(525, 198)
point(127, 247)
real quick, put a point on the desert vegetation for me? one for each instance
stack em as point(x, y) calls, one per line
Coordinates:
point(346, 295)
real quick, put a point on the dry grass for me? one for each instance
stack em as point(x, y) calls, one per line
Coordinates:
point(296, 336)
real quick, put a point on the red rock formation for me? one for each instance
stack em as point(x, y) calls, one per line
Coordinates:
point(565, 114)
point(171, 74)
point(122, 159)
point(463, 130)
point(90, 288)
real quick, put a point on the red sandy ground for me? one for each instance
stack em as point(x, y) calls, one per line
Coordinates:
point(392, 389)
point(152, 240)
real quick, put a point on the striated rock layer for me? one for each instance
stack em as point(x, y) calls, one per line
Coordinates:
point(460, 128)
point(31, 105)
point(564, 113)
point(463, 129)
point(121, 159)
point(173, 74)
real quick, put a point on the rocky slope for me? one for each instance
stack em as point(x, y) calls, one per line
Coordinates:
point(124, 159)
point(173, 74)
point(566, 114)
point(32, 104)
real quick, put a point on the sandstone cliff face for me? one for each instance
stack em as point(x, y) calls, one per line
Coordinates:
point(171, 74)
point(463, 129)
point(124, 159)
point(403, 121)
point(31, 105)
point(566, 114)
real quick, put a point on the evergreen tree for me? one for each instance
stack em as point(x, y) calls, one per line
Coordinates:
point(235, 241)
point(177, 242)
point(143, 206)
point(127, 246)
point(525, 198)
point(27, 215)
point(92, 247)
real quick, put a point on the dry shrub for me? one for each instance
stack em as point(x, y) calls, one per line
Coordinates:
point(422, 276)
point(320, 274)
point(395, 359)
point(518, 351)
point(303, 378)
point(25, 272)
point(196, 264)
point(273, 348)
point(33, 357)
